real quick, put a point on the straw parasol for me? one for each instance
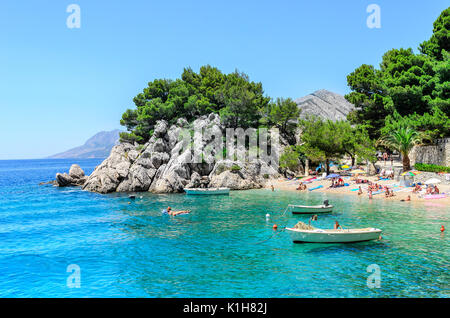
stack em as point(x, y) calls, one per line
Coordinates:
point(432, 181)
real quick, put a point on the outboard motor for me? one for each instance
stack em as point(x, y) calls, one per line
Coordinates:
point(325, 203)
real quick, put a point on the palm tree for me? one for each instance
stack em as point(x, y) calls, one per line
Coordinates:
point(403, 139)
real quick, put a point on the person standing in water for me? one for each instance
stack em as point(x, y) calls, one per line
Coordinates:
point(360, 191)
point(313, 218)
point(337, 225)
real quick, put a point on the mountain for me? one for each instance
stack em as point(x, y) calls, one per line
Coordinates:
point(98, 146)
point(325, 104)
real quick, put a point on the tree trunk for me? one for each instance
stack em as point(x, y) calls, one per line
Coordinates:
point(327, 166)
point(353, 161)
point(307, 167)
point(406, 162)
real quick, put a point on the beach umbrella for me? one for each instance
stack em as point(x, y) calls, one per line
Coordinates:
point(357, 171)
point(410, 173)
point(432, 181)
point(333, 175)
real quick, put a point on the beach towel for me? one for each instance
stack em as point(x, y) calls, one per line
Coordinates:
point(434, 196)
point(315, 188)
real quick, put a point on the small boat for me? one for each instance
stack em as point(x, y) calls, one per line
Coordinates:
point(306, 209)
point(207, 191)
point(333, 236)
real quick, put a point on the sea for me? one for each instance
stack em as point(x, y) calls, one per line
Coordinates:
point(66, 242)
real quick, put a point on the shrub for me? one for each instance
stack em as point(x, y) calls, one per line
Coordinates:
point(431, 167)
point(235, 168)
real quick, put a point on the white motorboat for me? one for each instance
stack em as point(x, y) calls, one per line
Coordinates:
point(333, 236)
point(308, 209)
point(207, 191)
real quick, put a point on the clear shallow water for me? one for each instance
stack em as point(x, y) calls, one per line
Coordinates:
point(131, 250)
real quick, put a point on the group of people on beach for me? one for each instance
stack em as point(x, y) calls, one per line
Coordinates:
point(385, 174)
point(430, 189)
point(301, 186)
point(374, 187)
point(337, 182)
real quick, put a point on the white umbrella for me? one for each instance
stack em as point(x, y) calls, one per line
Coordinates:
point(432, 181)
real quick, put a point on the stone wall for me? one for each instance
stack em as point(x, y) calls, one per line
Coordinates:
point(438, 153)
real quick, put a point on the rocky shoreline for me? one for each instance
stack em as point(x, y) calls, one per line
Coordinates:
point(162, 166)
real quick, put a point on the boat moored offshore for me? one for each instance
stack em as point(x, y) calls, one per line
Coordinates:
point(308, 209)
point(207, 191)
point(333, 236)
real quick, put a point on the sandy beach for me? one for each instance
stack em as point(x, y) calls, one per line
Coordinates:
point(400, 193)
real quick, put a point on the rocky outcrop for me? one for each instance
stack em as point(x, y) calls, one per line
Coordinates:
point(237, 175)
point(325, 104)
point(75, 177)
point(165, 163)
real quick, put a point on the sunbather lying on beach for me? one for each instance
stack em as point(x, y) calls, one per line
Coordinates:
point(417, 188)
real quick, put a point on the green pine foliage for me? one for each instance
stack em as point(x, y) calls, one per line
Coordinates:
point(239, 101)
point(406, 84)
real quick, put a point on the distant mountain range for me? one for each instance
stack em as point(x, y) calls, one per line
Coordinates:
point(98, 146)
point(325, 104)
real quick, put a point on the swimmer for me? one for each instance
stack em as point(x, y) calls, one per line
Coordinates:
point(173, 213)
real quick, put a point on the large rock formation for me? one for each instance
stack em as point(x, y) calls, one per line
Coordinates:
point(325, 104)
point(164, 164)
point(75, 177)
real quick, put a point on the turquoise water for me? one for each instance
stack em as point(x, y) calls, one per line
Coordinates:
point(221, 249)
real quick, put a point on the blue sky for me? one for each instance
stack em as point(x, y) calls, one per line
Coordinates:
point(60, 86)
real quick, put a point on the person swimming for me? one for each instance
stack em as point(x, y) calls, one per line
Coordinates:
point(337, 225)
point(408, 198)
point(173, 213)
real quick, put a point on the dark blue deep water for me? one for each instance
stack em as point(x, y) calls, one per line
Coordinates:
point(219, 250)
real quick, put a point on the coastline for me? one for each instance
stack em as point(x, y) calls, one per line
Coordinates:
point(400, 193)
